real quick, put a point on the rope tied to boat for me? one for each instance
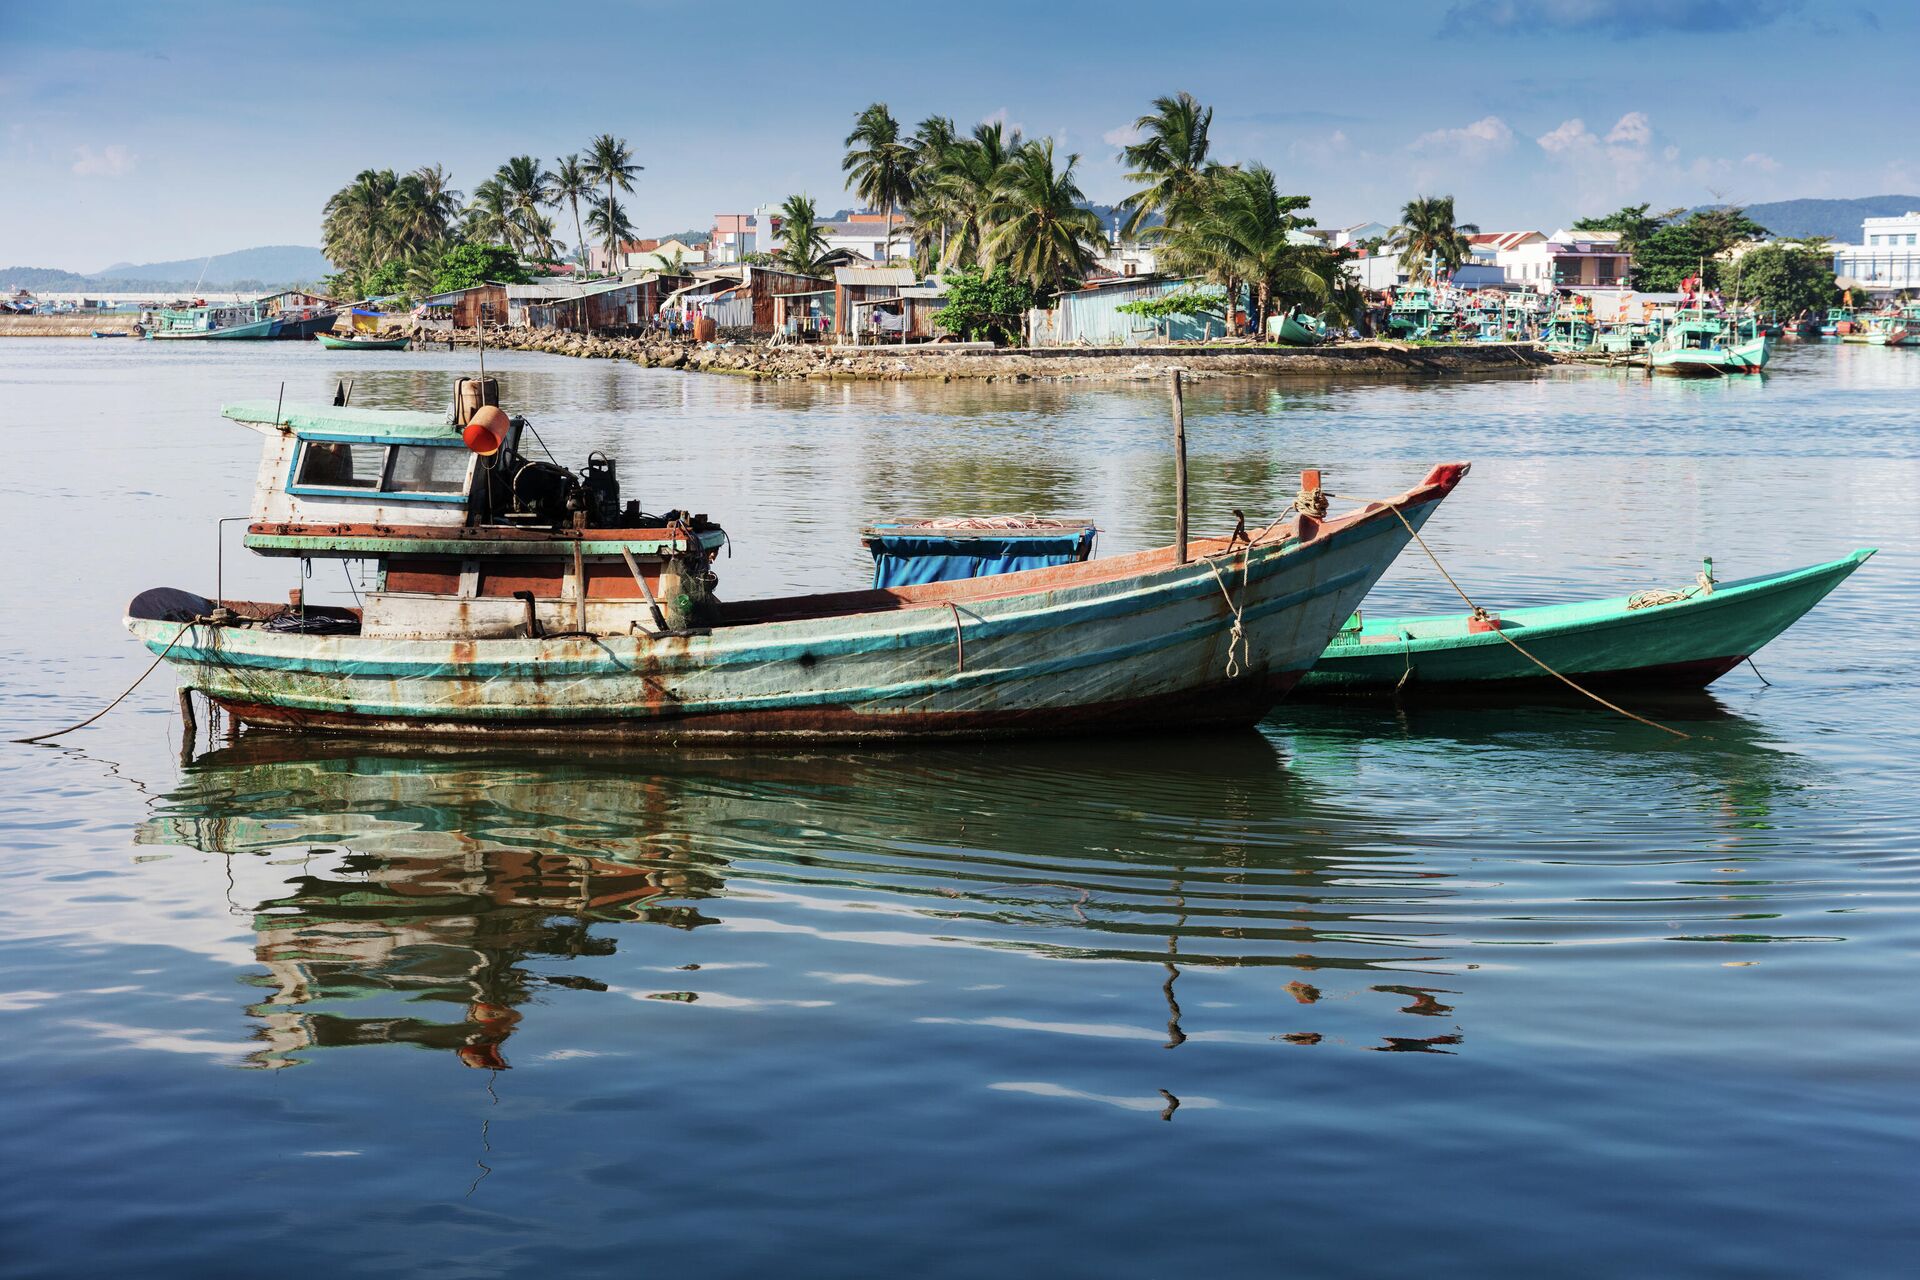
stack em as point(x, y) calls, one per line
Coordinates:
point(1236, 633)
point(57, 733)
point(1501, 632)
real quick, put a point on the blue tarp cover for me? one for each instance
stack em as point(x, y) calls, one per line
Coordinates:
point(907, 559)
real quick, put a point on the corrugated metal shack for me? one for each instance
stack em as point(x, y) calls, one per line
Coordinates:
point(603, 307)
point(765, 284)
point(522, 299)
point(1091, 317)
point(469, 308)
point(853, 285)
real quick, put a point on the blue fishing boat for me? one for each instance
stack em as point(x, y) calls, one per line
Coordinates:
point(234, 320)
point(518, 598)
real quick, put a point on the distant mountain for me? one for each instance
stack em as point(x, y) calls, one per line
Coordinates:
point(266, 268)
point(1837, 220)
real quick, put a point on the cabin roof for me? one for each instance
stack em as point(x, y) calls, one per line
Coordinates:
point(342, 423)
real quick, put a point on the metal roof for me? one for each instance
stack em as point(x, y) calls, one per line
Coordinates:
point(925, 291)
point(332, 420)
point(543, 291)
point(891, 277)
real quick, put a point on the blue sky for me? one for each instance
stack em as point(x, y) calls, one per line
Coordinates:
point(145, 131)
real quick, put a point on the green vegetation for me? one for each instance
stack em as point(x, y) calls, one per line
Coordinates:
point(1787, 277)
point(1427, 235)
point(802, 244)
point(1672, 251)
point(880, 163)
point(413, 235)
point(991, 306)
point(1236, 228)
point(1633, 223)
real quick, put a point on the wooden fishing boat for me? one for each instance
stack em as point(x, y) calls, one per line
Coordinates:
point(1899, 328)
point(1297, 329)
point(1701, 343)
point(353, 342)
point(517, 598)
point(228, 321)
point(110, 333)
point(1654, 640)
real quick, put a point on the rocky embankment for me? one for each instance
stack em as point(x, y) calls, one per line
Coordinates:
point(71, 324)
point(945, 363)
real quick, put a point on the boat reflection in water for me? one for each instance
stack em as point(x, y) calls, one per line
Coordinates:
point(425, 896)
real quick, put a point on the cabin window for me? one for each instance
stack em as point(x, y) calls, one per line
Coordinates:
point(335, 464)
point(422, 469)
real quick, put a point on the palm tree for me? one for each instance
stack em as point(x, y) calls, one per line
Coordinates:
point(881, 164)
point(968, 182)
point(608, 222)
point(1040, 227)
point(1170, 159)
point(1239, 228)
point(490, 214)
point(802, 243)
point(930, 210)
point(356, 225)
point(528, 187)
point(1427, 232)
point(439, 203)
point(571, 181)
point(610, 164)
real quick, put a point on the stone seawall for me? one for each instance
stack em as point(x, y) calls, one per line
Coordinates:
point(949, 364)
point(70, 325)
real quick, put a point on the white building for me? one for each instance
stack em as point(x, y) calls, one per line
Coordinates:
point(1887, 259)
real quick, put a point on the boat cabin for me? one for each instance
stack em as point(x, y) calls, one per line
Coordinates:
point(469, 538)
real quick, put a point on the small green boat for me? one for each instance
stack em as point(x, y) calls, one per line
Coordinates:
point(1296, 328)
point(1654, 640)
point(344, 342)
point(1702, 343)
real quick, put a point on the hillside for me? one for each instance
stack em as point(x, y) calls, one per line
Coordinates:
point(266, 267)
point(1837, 220)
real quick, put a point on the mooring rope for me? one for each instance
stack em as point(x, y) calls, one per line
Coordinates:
point(1236, 635)
point(42, 737)
point(1501, 632)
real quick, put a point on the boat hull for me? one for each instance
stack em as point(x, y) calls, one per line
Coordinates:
point(334, 343)
point(1684, 645)
point(304, 328)
point(1137, 642)
point(1746, 357)
point(256, 329)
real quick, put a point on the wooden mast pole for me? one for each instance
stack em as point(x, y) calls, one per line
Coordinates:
point(1179, 471)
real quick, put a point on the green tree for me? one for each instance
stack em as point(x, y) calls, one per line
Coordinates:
point(527, 187)
point(610, 164)
point(608, 223)
point(802, 243)
point(466, 265)
point(1427, 232)
point(1042, 230)
point(969, 180)
point(1787, 277)
point(1239, 228)
point(992, 306)
point(880, 163)
point(490, 214)
point(1633, 223)
point(1169, 161)
point(1691, 246)
point(571, 181)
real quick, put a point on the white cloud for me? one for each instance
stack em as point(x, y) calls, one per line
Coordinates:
point(1321, 150)
point(1762, 161)
point(1631, 130)
point(1124, 136)
point(1484, 137)
point(1571, 135)
point(108, 162)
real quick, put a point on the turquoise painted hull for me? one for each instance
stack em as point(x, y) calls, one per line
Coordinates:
point(1301, 331)
point(1750, 356)
point(1687, 644)
point(258, 329)
point(332, 343)
point(1133, 642)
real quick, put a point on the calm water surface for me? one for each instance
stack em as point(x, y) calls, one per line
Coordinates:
point(1446, 992)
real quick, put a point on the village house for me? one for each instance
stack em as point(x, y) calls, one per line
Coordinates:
point(1566, 260)
point(1887, 259)
point(646, 255)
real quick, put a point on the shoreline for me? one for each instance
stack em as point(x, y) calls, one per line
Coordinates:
point(762, 360)
point(935, 362)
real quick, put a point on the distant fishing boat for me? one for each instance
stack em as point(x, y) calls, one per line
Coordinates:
point(1654, 640)
point(1702, 343)
point(110, 333)
point(220, 321)
point(518, 598)
point(1895, 328)
point(1571, 330)
point(354, 342)
point(1297, 329)
point(1839, 322)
